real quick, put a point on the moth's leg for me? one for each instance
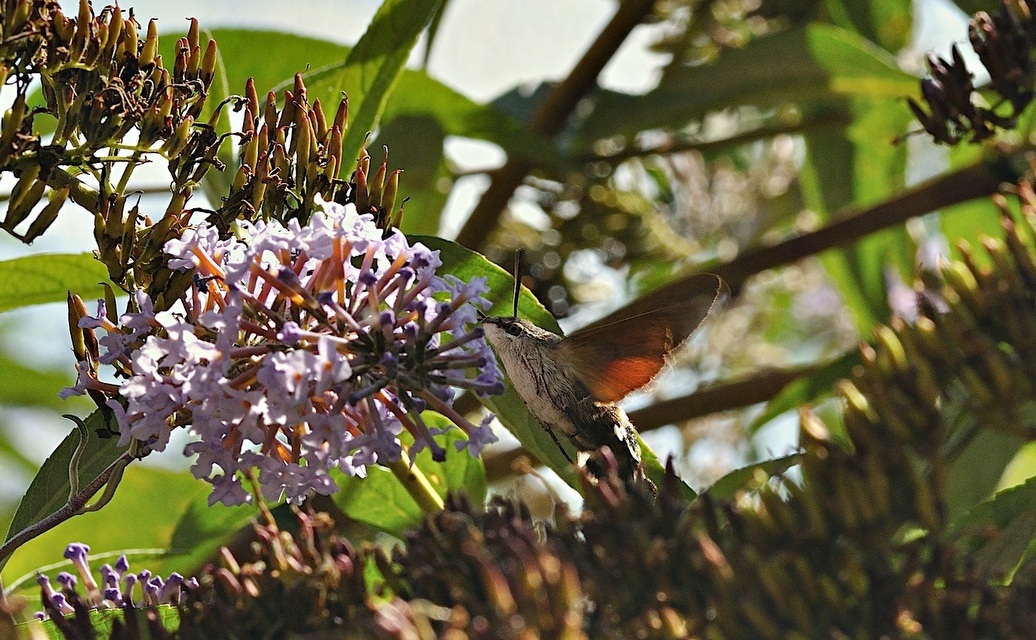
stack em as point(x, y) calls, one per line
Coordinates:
point(560, 448)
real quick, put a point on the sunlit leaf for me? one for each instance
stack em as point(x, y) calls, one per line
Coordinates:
point(999, 534)
point(48, 278)
point(790, 67)
point(373, 66)
point(1021, 468)
point(382, 501)
point(751, 477)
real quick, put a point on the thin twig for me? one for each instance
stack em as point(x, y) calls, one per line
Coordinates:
point(852, 224)
point(550, 117)
point(70, 508)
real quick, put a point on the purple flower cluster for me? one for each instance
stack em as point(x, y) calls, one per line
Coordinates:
point(116, 587)
point(299, 349)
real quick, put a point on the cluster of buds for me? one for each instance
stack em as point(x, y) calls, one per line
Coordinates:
point(130, 246)
point(106, 86)
point(310, 584)
point(101, 82)
point(492, 569)
point(116, 589)
point(1004, 43)
point(299, 349)
point(952, 115)
point(291, 158)
point(288, 158)
point(969, 350)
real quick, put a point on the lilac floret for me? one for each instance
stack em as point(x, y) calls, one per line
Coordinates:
point(66, 580)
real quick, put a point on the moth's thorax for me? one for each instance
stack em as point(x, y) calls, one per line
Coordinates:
point(555, 394)
point(548, 387)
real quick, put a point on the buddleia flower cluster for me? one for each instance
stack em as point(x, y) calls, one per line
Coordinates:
point(116, 590)
point(298, 349)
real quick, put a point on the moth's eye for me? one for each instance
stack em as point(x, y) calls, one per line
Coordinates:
point(513, 330)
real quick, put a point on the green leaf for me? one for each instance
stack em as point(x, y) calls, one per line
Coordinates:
point(826, 180)
point(420, 95)
point(202, 529)
point(49, 489)
point(24, 386)
point(751, 477)
point(160, 518)
point(1021, 468)
point(508, 407)
point(970, 221)
point(974, 473)
point(373, 66)
point(879, 172)
point(861, 166)
point(807, 390)
point(416, 143)
point(790, 67)
point(381, 501)
point(138, 521)
point(886, 22)
point(998, 535)
point(48, 278)
point(102, 621)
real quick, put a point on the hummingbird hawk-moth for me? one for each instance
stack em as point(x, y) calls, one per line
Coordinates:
point(572, 384)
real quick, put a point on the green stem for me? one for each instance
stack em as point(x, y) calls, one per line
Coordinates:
point(417, 485)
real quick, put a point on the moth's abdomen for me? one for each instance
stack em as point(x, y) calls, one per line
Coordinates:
point(610, 426)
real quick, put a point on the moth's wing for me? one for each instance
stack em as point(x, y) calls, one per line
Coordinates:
point(625, 350)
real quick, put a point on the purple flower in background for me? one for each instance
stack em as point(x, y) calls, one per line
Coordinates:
point(300, 349)
point(116, 588)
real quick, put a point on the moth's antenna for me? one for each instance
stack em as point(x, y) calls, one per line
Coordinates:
point(517, 278)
